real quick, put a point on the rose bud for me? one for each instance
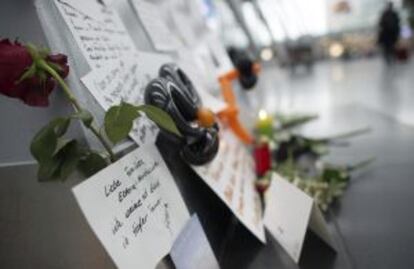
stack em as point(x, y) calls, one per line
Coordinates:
point(20, 77)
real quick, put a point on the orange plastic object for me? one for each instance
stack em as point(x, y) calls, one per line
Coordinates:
point(257, 68)
point(231, 113)
point(205, 117)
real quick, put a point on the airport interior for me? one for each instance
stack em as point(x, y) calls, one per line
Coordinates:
point(206, 134)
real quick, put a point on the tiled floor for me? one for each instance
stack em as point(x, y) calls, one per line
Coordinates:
point(367, 82)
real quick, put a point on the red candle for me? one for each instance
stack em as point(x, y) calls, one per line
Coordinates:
point(262, 158)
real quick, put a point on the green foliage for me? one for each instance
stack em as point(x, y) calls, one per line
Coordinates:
point(294, 120)
point(45, 142)
point(67, 158)
point(91, 163)
point(161, 118)
point(119, 121)
point(298, 158)
point(56, 156)
point(85, 116)
point(59, 157)
point(335, 175)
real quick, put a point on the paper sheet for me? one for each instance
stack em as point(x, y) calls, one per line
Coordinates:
point(126, 81)
point(219, 53)
point(289, 212)
point(155, 26)
point(192, 248)
point(208, 65)
point(231, 176)
point(134, 208)
point(98, 31)
point(196, 73)
point(184, 29)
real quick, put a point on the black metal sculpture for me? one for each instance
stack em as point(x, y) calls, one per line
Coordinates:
point(244, 64)
point(174, 93)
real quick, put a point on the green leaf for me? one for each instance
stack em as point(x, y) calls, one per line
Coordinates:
point(62, 163)
point(68, 158)
point(160, 117)
point(60, 126)
point(119, 120)
point(85, 116)
point(44, 143)
point(47, 170)
point(319, 148)
point(91, 163)
point(61, 143)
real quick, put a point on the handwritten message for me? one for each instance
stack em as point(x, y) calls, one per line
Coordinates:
point(231, 176)
point(197, 73)
point(218, 52)
point(155, 26)
point(98, 31)
point(184, 28)
point(134, 208)
point(126, 81)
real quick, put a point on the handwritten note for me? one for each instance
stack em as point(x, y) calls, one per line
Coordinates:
point(289, 212)
point(208, 65)
point(197, 73)
point(126, 81)
point(231, 176)
point(134, 208)
point(155, 26)
point(183, 28)
point(98, 31)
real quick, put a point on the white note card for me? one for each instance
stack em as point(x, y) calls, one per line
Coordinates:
point(192, 248)
point(289, 212)
point(219, 53)
point(184, 28)
point(134, 208)
point(231, 175)
point(98, 31)
point(126, 80)
point(151, 17)
point(186, 61)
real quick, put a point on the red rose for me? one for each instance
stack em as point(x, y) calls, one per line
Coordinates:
point(15, 60)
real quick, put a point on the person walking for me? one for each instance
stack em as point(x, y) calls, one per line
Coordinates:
point(389, 31)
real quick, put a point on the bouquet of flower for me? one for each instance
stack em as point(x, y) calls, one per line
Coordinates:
point(297, 158)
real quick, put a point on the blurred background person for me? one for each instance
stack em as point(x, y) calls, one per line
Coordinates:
point(389, 31)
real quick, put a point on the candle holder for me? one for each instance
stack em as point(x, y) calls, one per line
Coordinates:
point(264, 125)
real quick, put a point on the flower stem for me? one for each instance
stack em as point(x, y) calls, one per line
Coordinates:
point(344, 135)
point(360, 165)
point(44, 65)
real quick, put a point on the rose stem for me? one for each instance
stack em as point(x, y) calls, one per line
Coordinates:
point(43, 64)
